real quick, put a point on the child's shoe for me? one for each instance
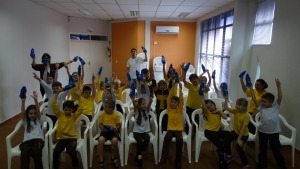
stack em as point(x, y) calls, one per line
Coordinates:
point(162, 161)
point(135, 159)
point(177, 164)
point(140, 163)
point(228, 158)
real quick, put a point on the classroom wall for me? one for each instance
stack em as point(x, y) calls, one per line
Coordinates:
point(176, 48)
point(25, 25)
point(124, 36)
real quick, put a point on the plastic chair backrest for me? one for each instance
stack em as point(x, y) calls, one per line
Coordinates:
point(249, 99)
point(78, 124)
point(121, 104)
point(127, 97)
point(218, 103)
point(43, 108)
point(157, 61)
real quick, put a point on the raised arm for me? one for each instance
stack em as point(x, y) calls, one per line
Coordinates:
point(225, 103)
point(278, 84)
point(149, 104)
point(146, 57)
point(204, 108)
point(113, 95)
point(93, 86)
point(164, 71)
point(133, 103)
point(23, 111)
point(82, 73)
point(209, 79)
point(56, 72)
point(253, 96)
point(215, 86)
point(183, 72)
point(147, 89)
point(68, 72)
point(35, 98)
point(45, 74)
point(33, 61)
point(243, 84)
point(48, 89)
point(68, 62)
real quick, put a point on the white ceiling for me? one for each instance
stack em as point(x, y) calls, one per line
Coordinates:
point(120, 9)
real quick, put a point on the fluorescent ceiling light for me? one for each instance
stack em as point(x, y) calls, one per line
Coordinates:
point(135, 13)
point(183, 14)
point(85, 12)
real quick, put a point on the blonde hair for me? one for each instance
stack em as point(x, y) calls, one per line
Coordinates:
point(117, 81)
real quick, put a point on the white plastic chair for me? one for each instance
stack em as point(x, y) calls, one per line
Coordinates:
point(186, 137)
point(15, 151)
point(128, 103)
point(95, 133)
point(158, 68)
point(144, 64)
point(283, 139)
point(81, 142)
point(130, 139)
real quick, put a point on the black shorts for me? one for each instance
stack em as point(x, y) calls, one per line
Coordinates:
point(107, 135)
point(90, 118)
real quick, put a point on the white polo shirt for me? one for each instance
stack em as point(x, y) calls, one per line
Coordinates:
point(269, 119)
point(134, 64)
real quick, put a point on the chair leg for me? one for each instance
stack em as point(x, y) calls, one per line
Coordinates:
point(121, 153)
point(44, 160)
point(126, 153)
point(196, 151)
point(91, 153)
point(155, 153)
point(9, 161)
point(293, 155)
point(189, 151)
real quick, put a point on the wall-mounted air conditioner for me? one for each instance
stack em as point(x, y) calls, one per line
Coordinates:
point(167, 29)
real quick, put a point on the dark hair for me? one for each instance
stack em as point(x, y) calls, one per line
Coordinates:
point(143, 87)
point(139, 119)
point(110, 103)
point(54, 84)
point(69, 104)
point(206, 102)
point(45, 55)
point(101, 83)
point(133, 49)
point(29, 127)
point(145, 71)
point(86, 88)
point(162, 82)
point(268, 96)
point(74, 73)
point(193, 76)
point(242, 102)
point(263, 83)
point(50, 76)
point(175, 98)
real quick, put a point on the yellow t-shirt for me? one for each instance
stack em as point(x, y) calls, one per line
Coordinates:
point(240, 119)
point(193, 99)
point(100, 94)
point(175, 115)
point(110, 119)
point(253, 108)
point(66, 124)
point(74, 97)
point(118, 92)
point(87, 105)
point(213, 121)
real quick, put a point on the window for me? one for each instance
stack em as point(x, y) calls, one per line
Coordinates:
point(216, 45)
point(88, 37)
point(264, 22)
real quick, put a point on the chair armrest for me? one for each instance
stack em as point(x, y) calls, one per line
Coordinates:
point(51, 134)
point(12, 134)
point(288, 126)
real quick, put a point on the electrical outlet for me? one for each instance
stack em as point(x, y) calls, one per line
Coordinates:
point(155, 42)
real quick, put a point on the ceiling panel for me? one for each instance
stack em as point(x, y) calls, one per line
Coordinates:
point(85, 1)
point(110, 7)
point(40, 0)
point(129, 7)
point(106, 1)
point(127, 2)
point(65, 11)
point(175, 14)
point(50, 5)
point(147, 13)
point(204, 9)
point(118, 17)
point(186, 8)
point(163, 14)
point(103, 15)
point(116, 13)
point(171, 2)
point(194, 2)
point(195, 14)
point(166, 8)
point(70, 5)
point(62, 0)
point(76, 11)
point(149, 2)
point(89, 6)
point(131, 16)
point(148, 8)
point(96, 11)
point(216, 3)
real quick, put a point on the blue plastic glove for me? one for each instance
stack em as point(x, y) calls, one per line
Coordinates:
point(248, 80)
point(106, 81)
point(75, 58)
point(32, 53)
point(82, 61)
point(170, 71)
point(45, 61)
point(201, 89)
point(137, 73)
point(225, 89)
point(144, 49)
point(100, 71)
point(213, 74)
point(23, 92)
point(132, 90)
point(71, 79)
point(79, 70)
point(141, 76)
point(163, 60)
point(128, 77)
point(186, 67)
point(109, 128)
point(242, 74)
point(176, 77)
point(69, 86)
point(203, 68)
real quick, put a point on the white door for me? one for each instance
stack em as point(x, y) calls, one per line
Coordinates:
point(98, 58)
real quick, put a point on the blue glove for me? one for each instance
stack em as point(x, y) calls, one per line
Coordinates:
point(201, 89)
point(75, 58)
point(186, 67)
point(141, 76)
point(225, 89)
point(100, 71)
point(137, 73)
point(213, 74)
point(163, 60)
point(82, 61)
point(176, 77)
point(45, 61)
point(203, 68)
point(132, 90)
point(242, 74)
point(144, 49)
point(128, 77)
point(69, 86)
point(106, 81)
point(23, 92)
point(32, 54)
point(109, 128)
point(79, 70)
point(71, 79)
point(170, 71)
point(248, 80)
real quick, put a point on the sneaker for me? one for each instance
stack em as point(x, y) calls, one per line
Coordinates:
point(177, 164)
point(135, 159)
point(162, 161)
point(140, 163)
point(228, 158)
point(246, 167)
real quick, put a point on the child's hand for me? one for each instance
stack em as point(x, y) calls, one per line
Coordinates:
point(35, 76)
point(132, 98)
point(278, 83)
point(67, 67)
point(34, 95)
point(150, 99)
point(78, 93)
point(225, 96)
point(240, 142)
point(93, 77)
point(57, 66)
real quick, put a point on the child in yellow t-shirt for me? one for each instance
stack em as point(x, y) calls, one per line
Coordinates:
point(175, 127)
point(240, 130)
point(109, 123)
point(75, 76)
point(65, 134)
point(100, 86)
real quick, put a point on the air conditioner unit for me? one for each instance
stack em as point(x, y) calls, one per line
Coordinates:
point(167, 29)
